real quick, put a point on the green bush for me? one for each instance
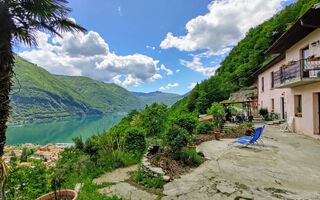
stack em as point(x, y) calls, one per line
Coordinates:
point(218, 112)
point(204, 127)
point(191, 157)
point(151, 182)
point(186, 121)
point(264, 113)
point(176, 138)
point(135, 140)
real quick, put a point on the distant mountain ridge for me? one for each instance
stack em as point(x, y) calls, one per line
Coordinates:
point(38, 94)
point(158, 97)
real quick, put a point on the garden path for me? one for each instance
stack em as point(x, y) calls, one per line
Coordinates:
point(121, 188)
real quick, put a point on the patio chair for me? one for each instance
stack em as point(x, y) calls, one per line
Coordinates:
point(249, 138)
point(246, 140)
point(287, 125)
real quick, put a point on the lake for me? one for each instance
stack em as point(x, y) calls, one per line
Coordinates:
point(60, 131)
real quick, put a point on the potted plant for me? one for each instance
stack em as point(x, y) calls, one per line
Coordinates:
point(218, 112)
point(292, 62)
point(299, 114)
point(57, 194)
point(284, 66)
point(312, 58)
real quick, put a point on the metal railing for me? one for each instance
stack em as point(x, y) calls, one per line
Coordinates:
point(305, 68)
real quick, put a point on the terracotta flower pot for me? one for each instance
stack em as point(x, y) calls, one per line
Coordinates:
point(217, 135)
point(62, 193)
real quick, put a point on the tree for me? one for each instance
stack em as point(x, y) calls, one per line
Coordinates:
point(24, 155)
point(218, 112)
point(19, 21)
point(153, 119)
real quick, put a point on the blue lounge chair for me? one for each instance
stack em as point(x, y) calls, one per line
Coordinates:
point(246, 140)
point(249, 138)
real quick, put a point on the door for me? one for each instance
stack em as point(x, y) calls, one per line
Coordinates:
point(282, 107)
point(305, 55)
point(319, 113)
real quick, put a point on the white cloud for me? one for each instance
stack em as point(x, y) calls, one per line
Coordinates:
point(89, 55)
point(223, 26)
point(197, 66)
point(119, 11)
point(150, 47)
point(117, 80)
point(192, 85)
point(170, 85)
point(178, 70)
point(169, 72)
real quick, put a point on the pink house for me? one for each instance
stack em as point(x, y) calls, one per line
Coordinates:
point(289, 85)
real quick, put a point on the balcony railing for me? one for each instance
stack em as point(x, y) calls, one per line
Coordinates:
point(290, 75)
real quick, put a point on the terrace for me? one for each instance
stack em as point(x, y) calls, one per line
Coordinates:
point(298, 73)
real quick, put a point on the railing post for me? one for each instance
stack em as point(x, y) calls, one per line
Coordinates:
point(301, 68)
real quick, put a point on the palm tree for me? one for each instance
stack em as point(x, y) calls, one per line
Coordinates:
point(19, 21)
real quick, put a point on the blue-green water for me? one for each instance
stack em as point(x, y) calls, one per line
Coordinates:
point(60, 131)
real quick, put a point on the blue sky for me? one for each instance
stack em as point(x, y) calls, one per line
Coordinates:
point(149, 45)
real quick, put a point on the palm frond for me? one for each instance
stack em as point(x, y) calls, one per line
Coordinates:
point(44, 15)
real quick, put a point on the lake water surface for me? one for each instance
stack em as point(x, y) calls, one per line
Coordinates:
point(60, 131)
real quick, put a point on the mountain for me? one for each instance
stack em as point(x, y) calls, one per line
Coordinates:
point(237, 69)
point(158, 97)
point(38, 94)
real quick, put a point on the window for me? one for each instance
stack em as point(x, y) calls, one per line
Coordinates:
point(298, 105)
point(272, 80)
point(262, 84)
point(272, 105)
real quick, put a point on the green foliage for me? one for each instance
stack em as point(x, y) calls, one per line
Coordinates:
point(27, 183)
point(218, 112)
point(135, 141)
point(191, 157)
point(78, 143)
point(186, 121)
point(264, 113)
point(176, 138)
point(153, 119)
point(204, 127)
point(151, 182)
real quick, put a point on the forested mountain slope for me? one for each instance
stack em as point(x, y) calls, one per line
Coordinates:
point(37, 94)
point(246, 57)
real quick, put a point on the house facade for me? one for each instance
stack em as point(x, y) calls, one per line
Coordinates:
point(289, 85)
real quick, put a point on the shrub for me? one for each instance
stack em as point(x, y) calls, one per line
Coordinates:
point(204, 127)
point(191, 157)
point(151, 182)
point(264, 113)
point(247, 124)
point(176, 138)
point(186, 121)
point(218, 112)
point(135, 141)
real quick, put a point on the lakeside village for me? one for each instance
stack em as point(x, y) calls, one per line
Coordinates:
point(28, 154)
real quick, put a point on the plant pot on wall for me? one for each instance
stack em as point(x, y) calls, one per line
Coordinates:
point(62, 194)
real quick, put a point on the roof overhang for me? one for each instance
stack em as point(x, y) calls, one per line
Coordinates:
point(270, 64)
point(309, 22)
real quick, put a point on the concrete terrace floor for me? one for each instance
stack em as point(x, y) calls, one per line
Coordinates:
point(287, 167)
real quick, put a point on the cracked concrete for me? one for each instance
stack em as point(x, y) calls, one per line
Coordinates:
point(287, 167)
point(121, 188)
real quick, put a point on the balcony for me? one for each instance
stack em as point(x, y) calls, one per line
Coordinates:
point(298, 73)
